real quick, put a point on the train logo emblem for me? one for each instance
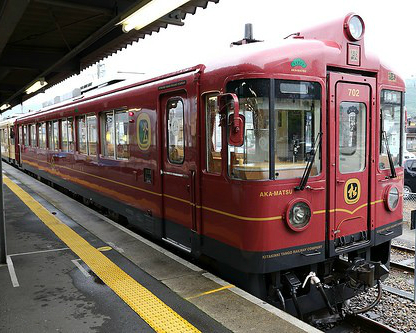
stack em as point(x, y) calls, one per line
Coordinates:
point(144, 131)
point(352, 191)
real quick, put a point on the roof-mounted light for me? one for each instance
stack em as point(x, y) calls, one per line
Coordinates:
point(36, 86)
point(354, 26)
point(4, 107)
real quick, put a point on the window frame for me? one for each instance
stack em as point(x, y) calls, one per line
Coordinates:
point(102, 139)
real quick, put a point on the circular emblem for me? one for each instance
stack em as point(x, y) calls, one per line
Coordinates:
point(144, 131)
point(352, 191)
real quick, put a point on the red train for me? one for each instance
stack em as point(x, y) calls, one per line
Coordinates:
point(280, 164)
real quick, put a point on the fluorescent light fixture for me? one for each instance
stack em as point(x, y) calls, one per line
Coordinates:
point(149, 13)
point(36, 86)
point(4, 107)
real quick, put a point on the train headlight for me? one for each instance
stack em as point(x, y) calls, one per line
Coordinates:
point(298, 215)
point(392, 198)
point(354, 26)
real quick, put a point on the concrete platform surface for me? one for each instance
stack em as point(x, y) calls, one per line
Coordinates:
point(53, 290)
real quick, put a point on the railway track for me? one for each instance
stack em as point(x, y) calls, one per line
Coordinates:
point(361, 323)
point(404, 265)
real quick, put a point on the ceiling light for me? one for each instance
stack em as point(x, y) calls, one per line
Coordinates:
point(149, 13)
point(4, 107)
point(36, 86)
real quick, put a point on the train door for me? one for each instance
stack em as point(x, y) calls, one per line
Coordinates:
point(350, 166)
point(178, 181)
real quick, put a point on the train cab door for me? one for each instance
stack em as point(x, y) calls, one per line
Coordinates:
point(351, 143)
point(178, 181)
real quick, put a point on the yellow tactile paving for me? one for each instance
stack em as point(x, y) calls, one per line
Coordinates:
point(150, 308)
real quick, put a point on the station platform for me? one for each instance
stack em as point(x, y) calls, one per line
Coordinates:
point(70, 269)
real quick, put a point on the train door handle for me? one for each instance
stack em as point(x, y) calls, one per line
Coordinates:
point(188, 188)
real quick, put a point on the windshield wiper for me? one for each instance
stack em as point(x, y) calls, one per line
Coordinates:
point(309, 164)
point(392, 169)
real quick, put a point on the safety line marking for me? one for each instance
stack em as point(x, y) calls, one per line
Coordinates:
point(211, 291)
point(36, 252)
point(12, 272)
point(82, 269)
point(150, 308)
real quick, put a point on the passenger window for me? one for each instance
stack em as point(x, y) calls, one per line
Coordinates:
point(25, 140)
point(107, 131)
point(122, 135)
point(55, 135)
point(175, 134)
point(64, 131)
point(50, 135)
point(92, 134)
point(213, 134)
point(82, 135)
point(33, 135)
point(71, 138)
point(42, 135)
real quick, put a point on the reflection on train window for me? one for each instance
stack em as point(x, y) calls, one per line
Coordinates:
point(251, 160)
point(352, 136)
point(42, 135)
point(55, 134)
point(297, 123)
point(33, 135)
point(213, 134)
point(390, 120)
point(175, 134)
point(297, 120)
point(92, 134)
point(82, 135)
point(108, 132)
point(25, 138)
point(115, 142)
point(49, 128)
point(122, 135)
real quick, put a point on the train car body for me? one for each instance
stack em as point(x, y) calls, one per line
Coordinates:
point(280, 163)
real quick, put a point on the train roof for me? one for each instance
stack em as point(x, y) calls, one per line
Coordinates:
point(305, 55)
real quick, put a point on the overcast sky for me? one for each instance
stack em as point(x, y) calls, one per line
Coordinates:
point(390, 33)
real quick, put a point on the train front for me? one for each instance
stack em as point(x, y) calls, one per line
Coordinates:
point(314, 136)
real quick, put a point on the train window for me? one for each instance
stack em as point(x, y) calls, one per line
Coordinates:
point(352, 136)
point(64, 131)
point(108, 132)
point(175, 135)
point(297, 118)
point(71, 137)
point(33, 135)
point(391, 115)
point(25, 138)
point(55, 140)
point(251, 160)
point(213, 134)
point(82, 135)
point(122, 135)
point(92, 134)
point(42, 135)
point(50, 135)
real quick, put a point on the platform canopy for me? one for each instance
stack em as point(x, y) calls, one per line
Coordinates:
point(51, 40)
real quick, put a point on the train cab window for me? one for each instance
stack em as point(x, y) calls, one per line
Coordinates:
point(55, 131)
point(175, 133)
point(92, 134)
point(391, 115)
point(32, 129)
point(122, 135)
point(213, 134)
point(352, 136)
point(82, 135)
point(295, 117)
